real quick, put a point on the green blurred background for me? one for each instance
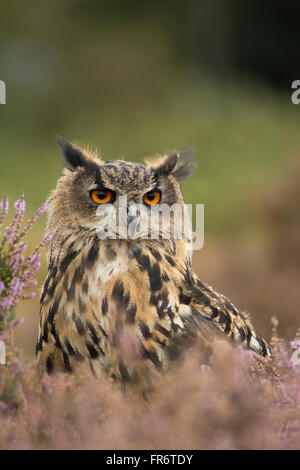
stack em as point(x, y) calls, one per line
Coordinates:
point(134, 79)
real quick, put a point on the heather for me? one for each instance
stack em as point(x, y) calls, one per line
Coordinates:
point(17, 270)
point(236, 401)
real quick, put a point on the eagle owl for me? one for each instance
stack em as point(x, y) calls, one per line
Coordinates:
point(124, 305)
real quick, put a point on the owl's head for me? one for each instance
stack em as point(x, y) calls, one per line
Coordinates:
point(91, 192)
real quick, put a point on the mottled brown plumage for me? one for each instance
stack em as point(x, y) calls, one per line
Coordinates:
point(125, 306)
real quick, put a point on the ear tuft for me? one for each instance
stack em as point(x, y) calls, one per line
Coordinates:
point(72, 157)
point(184, 166)
point(178, 164)
point(169, 163)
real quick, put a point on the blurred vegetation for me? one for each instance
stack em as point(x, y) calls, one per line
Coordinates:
point(135, 79)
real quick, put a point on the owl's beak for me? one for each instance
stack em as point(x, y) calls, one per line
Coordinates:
point(132, 219)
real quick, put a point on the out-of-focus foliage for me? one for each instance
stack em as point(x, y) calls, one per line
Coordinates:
point(238, 402)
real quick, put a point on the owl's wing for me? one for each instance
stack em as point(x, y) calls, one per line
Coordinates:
point(220, 314)
point(196, 328)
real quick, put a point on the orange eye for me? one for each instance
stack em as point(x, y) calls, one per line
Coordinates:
point(151, 198)
point(101, 196)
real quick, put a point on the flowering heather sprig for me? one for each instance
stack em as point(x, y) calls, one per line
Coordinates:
point(32, 221)
point(12, 230)
point(17, 272)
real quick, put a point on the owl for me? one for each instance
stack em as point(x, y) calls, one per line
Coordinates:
point(121, 297)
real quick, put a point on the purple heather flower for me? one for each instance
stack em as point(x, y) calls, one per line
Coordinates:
point(31, 222)
point(13, 229)
point(47, 238)
point(17, 262)
point(16, 287)
point(31, 283)
point(34, 259)
point(6, 303)
point(20, 206)
point(31, 295)
point(29, 274)
point(10, 231)
point(20, 249)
